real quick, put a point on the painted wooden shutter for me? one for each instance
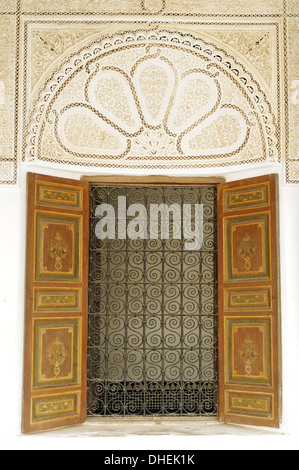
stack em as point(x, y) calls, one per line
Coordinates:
point(56, 303)
point(249, 346)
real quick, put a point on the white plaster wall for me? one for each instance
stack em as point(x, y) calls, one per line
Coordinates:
point(12, 269)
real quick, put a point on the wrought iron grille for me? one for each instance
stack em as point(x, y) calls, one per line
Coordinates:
point(152, 345)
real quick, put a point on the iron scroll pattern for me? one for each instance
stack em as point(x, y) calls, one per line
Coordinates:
point(153, 315)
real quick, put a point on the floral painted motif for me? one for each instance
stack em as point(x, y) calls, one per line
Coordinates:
point(57, 355)
point(58, 251)
point(248, 354)
point(247, 251)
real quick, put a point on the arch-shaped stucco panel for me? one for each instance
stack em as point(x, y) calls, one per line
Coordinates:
point(151, 100)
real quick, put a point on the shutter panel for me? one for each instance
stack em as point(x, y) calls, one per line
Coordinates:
point(56, 303)
point(249, 328)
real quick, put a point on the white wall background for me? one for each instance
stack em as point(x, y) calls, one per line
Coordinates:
point(12, 279)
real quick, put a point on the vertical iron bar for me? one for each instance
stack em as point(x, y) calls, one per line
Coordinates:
point(200, 318)
point(126, 319)
point(106, 378)
point(163, 316)
point(182, 252)
point(144, 319)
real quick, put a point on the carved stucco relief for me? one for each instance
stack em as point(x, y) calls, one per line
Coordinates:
point(293, 162)
point(262, 36)
point(225, 7)
point(255, 46)
point(48, 46)
point(93, 6)
point(8, 5)
point(292, 6)
point(150, 100)
point(7, 81)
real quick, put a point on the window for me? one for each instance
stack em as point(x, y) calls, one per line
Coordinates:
point(152, 342)
point(55, 379)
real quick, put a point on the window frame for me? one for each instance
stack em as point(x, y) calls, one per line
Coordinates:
point(127, 180)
